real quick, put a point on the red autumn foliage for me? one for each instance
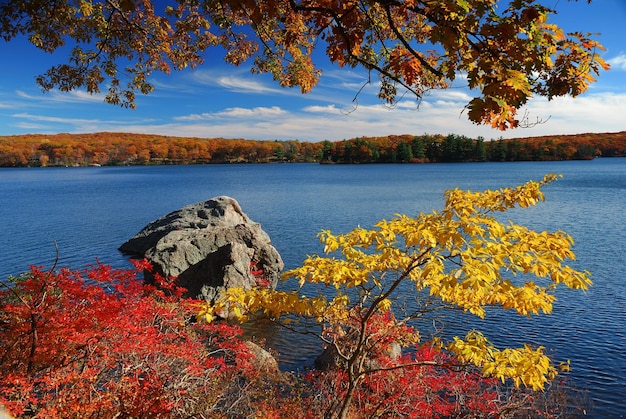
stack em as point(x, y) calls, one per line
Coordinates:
point(101, 344)
point(416, 390)
point(424, 383)
point(259, 275)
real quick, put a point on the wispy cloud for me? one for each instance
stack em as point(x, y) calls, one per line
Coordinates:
point(238, 113)
point(319, 109)
point(240, 83)
point(348, 80)
point(600, 112)
point(45, 118)
point(450, 95)
point(74, 96)
point(47, 123)
point(53, 124)
point(618, 62)
point(332, 87)
point(33, 127)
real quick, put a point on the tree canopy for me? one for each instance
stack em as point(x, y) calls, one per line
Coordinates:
point(508, 51)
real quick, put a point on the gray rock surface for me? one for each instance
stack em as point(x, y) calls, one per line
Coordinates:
point(263, 360)
point(209, 246)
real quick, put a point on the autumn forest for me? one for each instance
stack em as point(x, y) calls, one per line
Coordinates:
point(40, 150)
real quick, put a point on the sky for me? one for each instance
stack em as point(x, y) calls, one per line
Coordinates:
point(219, 100)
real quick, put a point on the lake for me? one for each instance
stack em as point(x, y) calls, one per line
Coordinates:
point(89, 212)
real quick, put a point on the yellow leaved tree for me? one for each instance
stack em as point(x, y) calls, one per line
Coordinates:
point(461, 257)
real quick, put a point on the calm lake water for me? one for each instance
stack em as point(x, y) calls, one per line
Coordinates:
point(89, 212)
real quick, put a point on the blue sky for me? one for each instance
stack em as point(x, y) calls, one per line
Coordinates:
point(217, 100)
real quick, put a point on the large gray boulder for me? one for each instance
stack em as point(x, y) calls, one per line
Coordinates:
point(209, 246)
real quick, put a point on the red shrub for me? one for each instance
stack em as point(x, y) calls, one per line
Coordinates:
point(100, 343)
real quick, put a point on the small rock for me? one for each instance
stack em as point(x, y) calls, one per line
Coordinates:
point(263, 361)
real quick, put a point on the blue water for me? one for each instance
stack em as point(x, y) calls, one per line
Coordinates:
point(89, 212)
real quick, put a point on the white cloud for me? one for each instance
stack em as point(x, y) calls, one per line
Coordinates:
point(344, 76)
point(449, 95)
point(348, 80)
point(240, 84)
point(313, 123)
point(44, 118)
point(441, 112)
point(195, 117)
point(318, 109)
point(74, 96)
point(31, 126)
point(238, 113)
point(255, 113)
point(600, 112)
point(235, 82)
point(618, 63)
point(55, 124)
point(589, 113)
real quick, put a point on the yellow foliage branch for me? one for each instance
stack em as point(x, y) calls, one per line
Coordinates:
point(463, 256)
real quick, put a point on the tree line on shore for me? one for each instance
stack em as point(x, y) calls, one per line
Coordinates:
point(38, 150)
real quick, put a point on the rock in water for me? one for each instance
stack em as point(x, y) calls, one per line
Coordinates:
point(209, 246)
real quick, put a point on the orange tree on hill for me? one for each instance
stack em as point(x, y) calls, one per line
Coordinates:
point(508, 51)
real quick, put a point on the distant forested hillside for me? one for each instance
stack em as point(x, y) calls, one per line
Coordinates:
point(458, 148)
point(142, 149)
point(107, 148)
